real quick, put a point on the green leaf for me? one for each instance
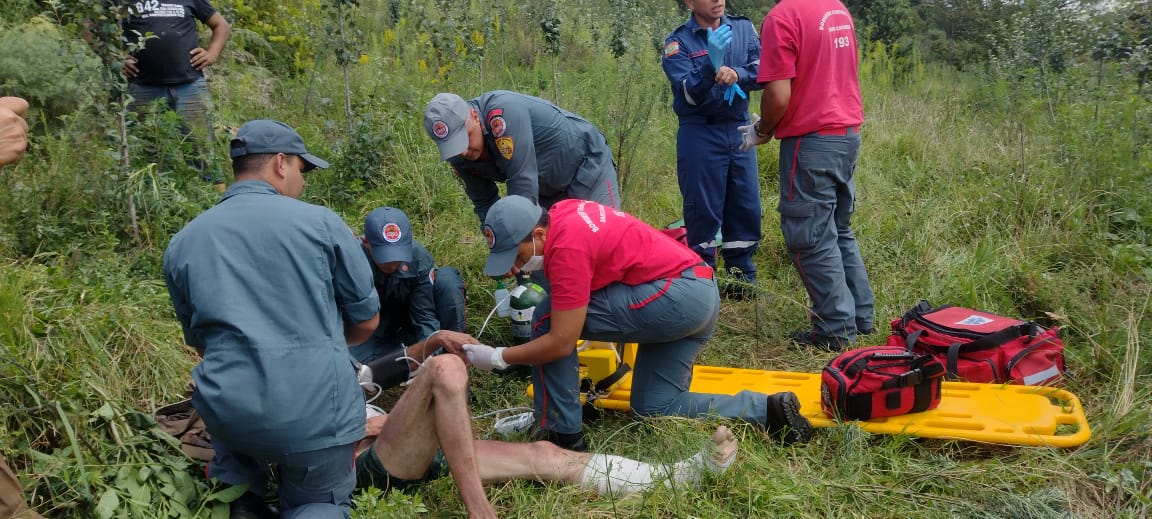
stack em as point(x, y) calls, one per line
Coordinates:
point(105, 412)
point(109, 502)
point(220, 511)
point(229, 494)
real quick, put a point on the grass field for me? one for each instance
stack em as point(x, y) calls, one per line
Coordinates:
point(1022, 195)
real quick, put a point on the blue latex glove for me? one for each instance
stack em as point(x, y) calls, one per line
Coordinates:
point(733, 91)
point(718, 41)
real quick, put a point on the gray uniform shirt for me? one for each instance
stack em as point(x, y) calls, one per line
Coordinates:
point(543, 152)
point(263, 284)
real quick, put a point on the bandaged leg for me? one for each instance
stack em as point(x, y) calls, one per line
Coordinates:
point(617, 476)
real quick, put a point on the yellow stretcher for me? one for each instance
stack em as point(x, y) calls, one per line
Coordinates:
point(993, 413)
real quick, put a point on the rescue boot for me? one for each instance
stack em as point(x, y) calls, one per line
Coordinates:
point(739, 285)
point(251, 506)
point(785, 422)
point(821, 342)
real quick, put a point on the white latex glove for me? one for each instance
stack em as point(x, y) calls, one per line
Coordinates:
point(748, 137)
point(485, 357)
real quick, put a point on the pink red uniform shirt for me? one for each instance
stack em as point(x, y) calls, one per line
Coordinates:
point(590, 246)
point(813, 43)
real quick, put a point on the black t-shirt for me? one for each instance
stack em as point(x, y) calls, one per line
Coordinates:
point(165, 58)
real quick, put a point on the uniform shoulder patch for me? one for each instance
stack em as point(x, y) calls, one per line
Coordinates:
point(497, 125)
point(495, 121)
point(506, 146)
point(671, 48)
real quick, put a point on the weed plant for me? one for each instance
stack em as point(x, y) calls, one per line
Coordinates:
point(1017, 188)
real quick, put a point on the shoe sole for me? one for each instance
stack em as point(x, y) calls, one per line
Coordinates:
point(797, 428)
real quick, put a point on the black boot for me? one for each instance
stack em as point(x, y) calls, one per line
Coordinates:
point(250, 506)
point(785, 421)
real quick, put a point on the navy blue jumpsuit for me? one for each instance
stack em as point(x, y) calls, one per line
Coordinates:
point(719, 183)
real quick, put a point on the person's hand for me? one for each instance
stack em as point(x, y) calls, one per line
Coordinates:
point(202, 59)
point(485, 357)
point(13, 129)
point(375, 426)
point(129, 68)
point(718, 41)
point(452, 342)
point(749, 138)
point(726, 76)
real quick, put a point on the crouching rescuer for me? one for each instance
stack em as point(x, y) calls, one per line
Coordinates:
point(616, 279)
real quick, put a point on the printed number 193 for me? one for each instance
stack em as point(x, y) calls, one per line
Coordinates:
point(842, 41)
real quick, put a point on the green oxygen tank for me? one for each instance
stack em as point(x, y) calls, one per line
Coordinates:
point(523, 300)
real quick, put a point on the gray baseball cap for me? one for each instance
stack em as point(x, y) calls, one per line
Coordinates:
point(509, 221)
point(389, 232)
point(444, 119)
point(267, 136)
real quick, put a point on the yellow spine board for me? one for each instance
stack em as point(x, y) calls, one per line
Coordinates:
point(993, 413)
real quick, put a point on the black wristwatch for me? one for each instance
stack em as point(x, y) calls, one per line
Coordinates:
point(756, 128)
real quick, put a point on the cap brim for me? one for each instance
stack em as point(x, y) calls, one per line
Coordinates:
point(453, 145)
point(499, 263)
point(314, 161)
point(390, 253)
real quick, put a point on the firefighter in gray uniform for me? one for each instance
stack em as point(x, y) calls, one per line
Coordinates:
point(417, 298)
point(543, 152)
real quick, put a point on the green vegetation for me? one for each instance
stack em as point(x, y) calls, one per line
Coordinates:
point(1006, 166)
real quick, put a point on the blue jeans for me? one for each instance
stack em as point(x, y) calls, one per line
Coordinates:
point(193, 103)
point(311, 484)
point(671, 320)
point(817, 197)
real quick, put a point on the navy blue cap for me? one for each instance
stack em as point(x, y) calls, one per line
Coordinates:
point(389, 232)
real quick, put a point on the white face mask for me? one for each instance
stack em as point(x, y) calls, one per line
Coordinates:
point(535, 262)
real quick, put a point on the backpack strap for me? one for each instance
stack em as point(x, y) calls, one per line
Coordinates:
point(1002, 337)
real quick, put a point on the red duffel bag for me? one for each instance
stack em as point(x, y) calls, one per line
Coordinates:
point(880, 381)
point(977, 346)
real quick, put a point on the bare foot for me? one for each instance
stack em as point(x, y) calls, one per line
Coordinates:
point(724, 449)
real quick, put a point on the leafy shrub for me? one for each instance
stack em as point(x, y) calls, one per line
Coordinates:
point(40, 63)
point(287, 27)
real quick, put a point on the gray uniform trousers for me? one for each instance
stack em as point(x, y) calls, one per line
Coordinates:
point(671, 320)
point(817, 197)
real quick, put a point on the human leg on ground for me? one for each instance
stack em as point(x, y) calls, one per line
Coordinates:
point(316, 484)
point(605, 474)
point(433, 414)
point(671, 330)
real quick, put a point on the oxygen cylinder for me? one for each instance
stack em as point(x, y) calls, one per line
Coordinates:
point(502, 305)
point(523, 300)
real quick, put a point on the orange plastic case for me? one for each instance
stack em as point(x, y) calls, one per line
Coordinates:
point(993, 413)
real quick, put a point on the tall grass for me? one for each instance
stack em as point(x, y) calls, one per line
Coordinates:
point(976, 190)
